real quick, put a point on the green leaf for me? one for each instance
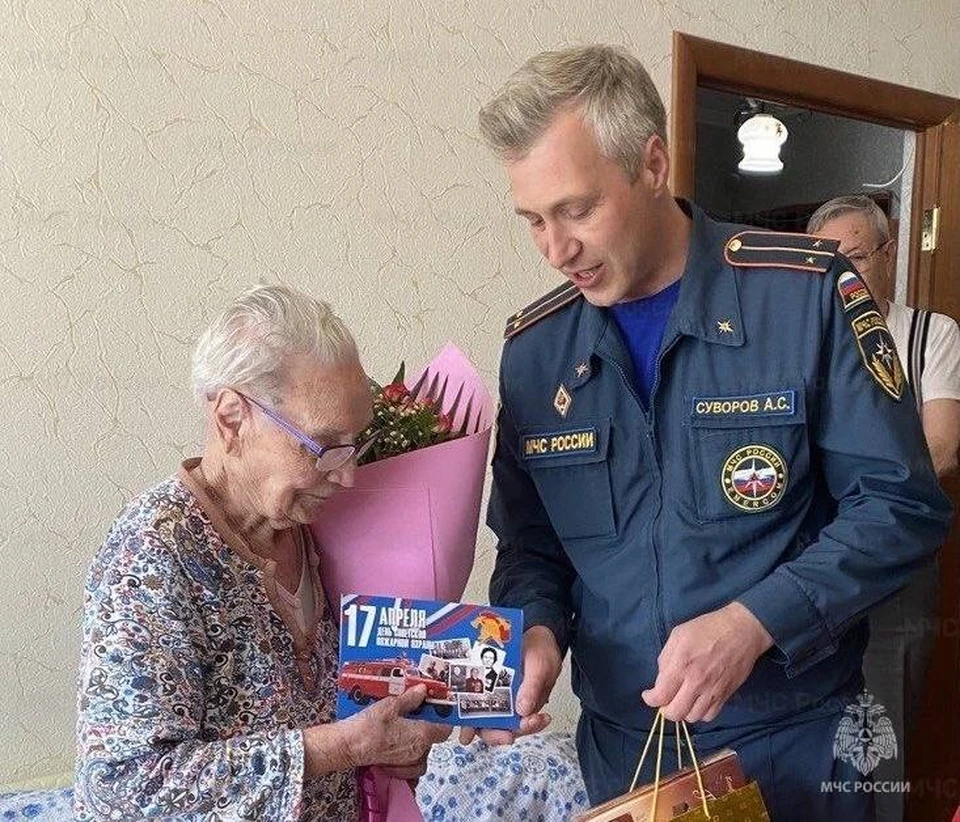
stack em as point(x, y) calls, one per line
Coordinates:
point(400, 374)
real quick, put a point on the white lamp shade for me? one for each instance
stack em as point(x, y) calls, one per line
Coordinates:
point(761, 136)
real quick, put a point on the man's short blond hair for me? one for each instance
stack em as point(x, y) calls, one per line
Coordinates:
point(607, 85)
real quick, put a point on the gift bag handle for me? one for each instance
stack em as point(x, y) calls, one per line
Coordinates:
point(657, 727)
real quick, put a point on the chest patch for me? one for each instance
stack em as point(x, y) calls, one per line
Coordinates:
point(778, 403)
point(577, 441)
point(754, 477)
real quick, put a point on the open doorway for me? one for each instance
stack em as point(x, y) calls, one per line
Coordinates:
point(824, 156)
point(928, 277)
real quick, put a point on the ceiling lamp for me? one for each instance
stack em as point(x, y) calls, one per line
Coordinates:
point(761, 136)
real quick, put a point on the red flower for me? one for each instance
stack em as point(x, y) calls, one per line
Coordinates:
point(405, 421)
point(395, 392)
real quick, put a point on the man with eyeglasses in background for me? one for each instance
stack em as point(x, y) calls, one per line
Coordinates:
point(902, 629)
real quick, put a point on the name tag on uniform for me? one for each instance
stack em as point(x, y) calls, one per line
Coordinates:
point(776, 403)
point(575, 441)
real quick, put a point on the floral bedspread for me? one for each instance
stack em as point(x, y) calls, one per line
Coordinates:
point(535, 780)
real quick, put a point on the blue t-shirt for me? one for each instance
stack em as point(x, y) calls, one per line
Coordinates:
point(642, 323)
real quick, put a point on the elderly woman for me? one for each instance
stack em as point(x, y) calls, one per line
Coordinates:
point(208, 666)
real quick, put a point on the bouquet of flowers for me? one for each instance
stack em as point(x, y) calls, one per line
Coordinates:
point(408, 526)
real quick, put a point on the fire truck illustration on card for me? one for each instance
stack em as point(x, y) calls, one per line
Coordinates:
point(377, 678)
point(467, 657)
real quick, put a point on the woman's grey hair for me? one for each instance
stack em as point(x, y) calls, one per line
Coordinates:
point(253, 339)
point(844, 205)
point(607, 85)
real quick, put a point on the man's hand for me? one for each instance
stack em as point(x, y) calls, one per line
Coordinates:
point(541, 667)
point(704, 661)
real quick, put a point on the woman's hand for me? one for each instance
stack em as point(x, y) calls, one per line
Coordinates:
point(378, 735)
point(382, 735)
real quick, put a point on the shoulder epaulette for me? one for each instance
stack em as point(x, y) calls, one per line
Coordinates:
point(774, 249)
point(538, 309)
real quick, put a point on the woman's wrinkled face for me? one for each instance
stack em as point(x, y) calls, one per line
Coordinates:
point(330, 404)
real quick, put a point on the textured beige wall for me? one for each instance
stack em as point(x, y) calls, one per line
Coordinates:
point(155, 157)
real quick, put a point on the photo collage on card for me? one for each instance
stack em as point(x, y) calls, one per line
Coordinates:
point(479, 680)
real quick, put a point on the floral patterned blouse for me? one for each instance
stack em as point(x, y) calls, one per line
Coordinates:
point(195, 678)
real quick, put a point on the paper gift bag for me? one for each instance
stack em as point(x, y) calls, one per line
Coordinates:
point(677, 793)
point(742, 805)
point(713, 789)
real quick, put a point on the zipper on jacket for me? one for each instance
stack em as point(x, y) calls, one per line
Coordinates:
point(657, 526)
point(658, 610)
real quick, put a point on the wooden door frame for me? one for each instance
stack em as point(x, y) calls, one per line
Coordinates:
point(933, 281)
point(699, 62)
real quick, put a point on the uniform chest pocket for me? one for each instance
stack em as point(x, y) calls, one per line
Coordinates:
point(569, 466)
point(747, 462)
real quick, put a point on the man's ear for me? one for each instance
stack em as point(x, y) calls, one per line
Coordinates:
point(655, 166)
point(230, 413)
point(889, 253)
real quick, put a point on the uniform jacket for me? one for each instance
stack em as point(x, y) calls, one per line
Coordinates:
point(781, 464)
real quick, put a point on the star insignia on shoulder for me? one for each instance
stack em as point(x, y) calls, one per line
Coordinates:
point(724, 327)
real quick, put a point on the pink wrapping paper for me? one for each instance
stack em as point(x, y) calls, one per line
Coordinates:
point(408, 528)
point(384, 799)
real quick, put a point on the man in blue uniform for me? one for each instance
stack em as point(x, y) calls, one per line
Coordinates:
point(706, 470)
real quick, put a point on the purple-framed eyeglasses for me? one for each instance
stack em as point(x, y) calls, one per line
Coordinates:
point(329, 457)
